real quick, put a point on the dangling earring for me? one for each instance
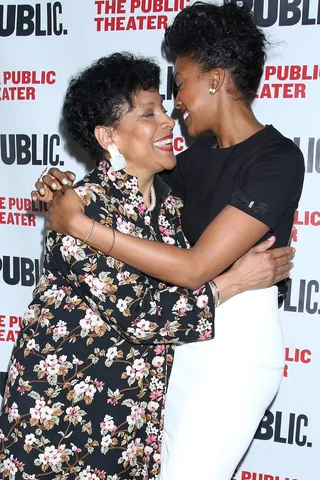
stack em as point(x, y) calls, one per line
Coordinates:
point(117, 160)
point(212, 91)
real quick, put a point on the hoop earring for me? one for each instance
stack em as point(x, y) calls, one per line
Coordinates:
point(212, 91)
point(117, 160)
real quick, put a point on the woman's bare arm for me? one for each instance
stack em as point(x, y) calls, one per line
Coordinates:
point(231, 234)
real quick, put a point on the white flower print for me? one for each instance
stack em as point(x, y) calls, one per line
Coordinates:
point(182, 305)
point(169, 240)
point(147, 220)
point(30, 439)
point(13, 373)
point(60, 330)
point(41, 411)
point(97, 287)
point(122, 305)
point(51, 365)
point(30, 314)
point(153, 406)
point(9, 468)
point(137, 371)
point(157, 361)
point(84, 389)
point(76, 361)
point(123, 276)
point(69, 247)
point(87, 475)
point(32, 344)
point(51, 455)
point(90, 322)
point(204, 327)
point(163, 222)
point(82, 371)
point(142, 330)
point(202, 301)
point(107, 425)
point(157, 458)
point(129, 208)
point(74, 414)
point(111, 175)
point(105, 443)
point(148, 451)
point(136, 417)
point(124, 226)
point(133, 450)
point(13, 413)
point(111, 354)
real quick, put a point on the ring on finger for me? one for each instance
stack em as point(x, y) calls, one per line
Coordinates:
point(45, 172)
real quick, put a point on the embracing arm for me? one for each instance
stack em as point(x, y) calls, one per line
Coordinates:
point(231, 234)
point(258, 268)
point(272, 186)
point(226, 239)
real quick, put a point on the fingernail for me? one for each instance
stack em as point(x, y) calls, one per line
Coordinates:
point(64, 181)
point(34, 198)
point(294, 250)
point(42, 191)
point(73, 175)
point(271, 238)
point(54, 186)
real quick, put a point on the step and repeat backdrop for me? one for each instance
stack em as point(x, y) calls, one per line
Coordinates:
point(42, 44)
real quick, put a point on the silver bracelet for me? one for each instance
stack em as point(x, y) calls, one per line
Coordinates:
point(216, 293)
point(89, 234)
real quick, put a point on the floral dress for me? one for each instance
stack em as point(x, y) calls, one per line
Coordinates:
point(89, 372)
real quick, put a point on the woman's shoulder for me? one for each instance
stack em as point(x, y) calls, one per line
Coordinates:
point(101, 180)
point(200, 146)
point(279, 149)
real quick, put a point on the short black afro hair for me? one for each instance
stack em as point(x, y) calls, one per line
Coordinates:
point(104, 92)
point(222, 36)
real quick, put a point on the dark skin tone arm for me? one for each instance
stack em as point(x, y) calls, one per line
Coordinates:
point(229, 236)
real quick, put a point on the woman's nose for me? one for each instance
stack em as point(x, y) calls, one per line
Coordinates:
point(169, 123)
point(177, 102)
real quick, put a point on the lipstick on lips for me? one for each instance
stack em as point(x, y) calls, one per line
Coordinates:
point(165, 143)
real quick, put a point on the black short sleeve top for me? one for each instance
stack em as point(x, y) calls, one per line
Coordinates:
point(262, 176)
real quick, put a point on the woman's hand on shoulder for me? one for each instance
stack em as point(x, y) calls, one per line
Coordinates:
point(51, 181)
point(66, 213)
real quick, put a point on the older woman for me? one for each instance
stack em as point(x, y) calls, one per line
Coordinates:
point(238, 189)
point(88, 376)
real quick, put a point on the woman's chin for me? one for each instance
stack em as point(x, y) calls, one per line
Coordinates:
point(193, 131)
point(166, 162)
point(196, 129)
point(170, 163)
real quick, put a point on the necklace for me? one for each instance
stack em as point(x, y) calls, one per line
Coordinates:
point(152, 199)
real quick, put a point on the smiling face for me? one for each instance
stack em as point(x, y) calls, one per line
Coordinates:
point(144, 135)
point(198, 107)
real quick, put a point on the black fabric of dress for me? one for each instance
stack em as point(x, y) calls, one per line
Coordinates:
point(262, 176)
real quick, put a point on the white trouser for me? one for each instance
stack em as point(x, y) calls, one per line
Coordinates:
point(219, 389)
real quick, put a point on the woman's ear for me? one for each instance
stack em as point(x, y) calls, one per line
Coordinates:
point(103, 136)
point(216, 79)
